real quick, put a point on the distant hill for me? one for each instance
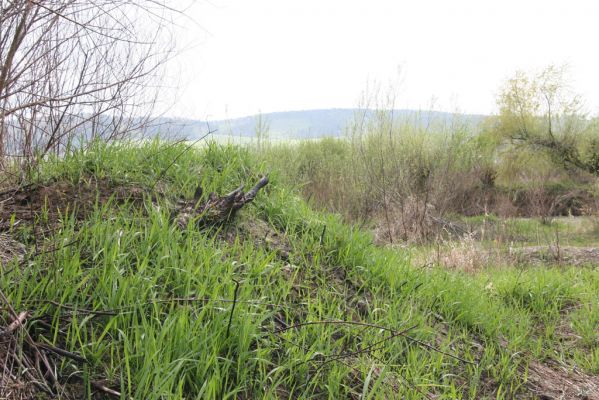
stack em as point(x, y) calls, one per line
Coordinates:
point(304, 124)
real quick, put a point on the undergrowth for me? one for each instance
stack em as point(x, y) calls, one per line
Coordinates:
point(283, 302)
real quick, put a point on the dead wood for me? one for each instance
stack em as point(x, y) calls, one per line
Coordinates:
point(216, 210)
point(17, 323)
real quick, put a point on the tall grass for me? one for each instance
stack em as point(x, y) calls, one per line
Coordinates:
point(171, 331)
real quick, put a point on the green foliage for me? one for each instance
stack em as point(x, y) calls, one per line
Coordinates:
point(396, 174)
point(540, 111)
point(171, 290)
point(383, 163)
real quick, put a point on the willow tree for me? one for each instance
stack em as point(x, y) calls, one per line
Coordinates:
point(542, 112)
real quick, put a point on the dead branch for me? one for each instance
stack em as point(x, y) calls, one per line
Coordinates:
point(216, 210)
point(30, 366)
point(17, 323)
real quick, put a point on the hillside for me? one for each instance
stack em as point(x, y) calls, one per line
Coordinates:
point(305, 124)
point(113, 299)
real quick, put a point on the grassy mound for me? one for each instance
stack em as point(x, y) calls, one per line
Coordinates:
point(116, 300)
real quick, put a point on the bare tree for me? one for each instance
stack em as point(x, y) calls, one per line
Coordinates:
point(72, 71)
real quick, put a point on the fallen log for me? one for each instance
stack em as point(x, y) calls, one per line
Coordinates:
point(215, 210)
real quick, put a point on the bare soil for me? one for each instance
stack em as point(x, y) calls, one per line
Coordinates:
point(567, 255)
point(46, 204)
point(549, 381)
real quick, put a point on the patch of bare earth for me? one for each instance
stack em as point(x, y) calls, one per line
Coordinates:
point(44, 205)
point(567, 255)
point(10, 249)
point(261, 234)
point(551, 381)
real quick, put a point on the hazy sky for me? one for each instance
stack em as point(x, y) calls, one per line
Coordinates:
point(267, 55)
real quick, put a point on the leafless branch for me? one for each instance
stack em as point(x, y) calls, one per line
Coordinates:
point(72, 71)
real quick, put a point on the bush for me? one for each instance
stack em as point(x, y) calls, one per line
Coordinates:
point(406, 177)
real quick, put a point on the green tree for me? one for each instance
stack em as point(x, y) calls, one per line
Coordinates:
point(542, 112)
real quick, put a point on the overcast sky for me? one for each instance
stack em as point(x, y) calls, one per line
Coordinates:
point(276, 55)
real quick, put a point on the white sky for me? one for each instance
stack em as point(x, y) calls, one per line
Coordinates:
point(253, 56)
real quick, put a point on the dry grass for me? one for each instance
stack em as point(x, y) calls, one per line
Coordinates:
point(466, 255)
point(12, 384)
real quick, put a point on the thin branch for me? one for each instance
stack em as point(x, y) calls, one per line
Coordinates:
point(232, 307)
